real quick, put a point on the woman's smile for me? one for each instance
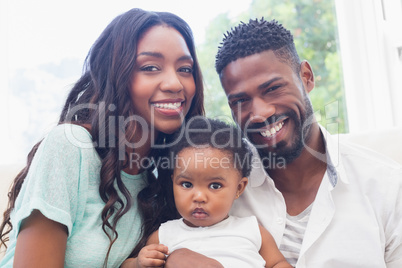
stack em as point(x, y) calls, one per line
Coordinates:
point(172, 107)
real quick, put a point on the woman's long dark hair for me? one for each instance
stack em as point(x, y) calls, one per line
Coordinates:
point(102, 95)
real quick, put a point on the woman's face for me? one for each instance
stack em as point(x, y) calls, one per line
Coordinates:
point(162, 83)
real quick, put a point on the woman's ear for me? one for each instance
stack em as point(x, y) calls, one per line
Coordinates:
point(241, 186)
point(307, 76)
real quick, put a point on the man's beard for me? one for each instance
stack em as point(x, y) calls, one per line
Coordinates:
point(302, 133)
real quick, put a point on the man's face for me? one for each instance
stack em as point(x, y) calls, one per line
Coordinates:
point(269, 101)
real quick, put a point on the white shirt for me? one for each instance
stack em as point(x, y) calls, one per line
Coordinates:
point(234, 242)
point(356, 219)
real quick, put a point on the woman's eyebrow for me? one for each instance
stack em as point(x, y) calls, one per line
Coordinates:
point(185, 58)
point(152, 54)
point(160, 55)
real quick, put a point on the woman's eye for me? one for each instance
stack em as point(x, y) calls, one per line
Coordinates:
point(149, 68)
point(215, 186)
point(186, 70)
point(186, 184)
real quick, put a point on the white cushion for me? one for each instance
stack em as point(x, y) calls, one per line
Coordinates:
point(387, 142)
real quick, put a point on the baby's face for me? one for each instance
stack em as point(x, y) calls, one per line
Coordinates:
point(205, 184)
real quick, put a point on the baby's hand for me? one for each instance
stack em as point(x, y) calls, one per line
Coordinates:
point(153, 255)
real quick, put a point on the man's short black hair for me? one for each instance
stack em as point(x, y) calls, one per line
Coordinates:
point(254, 37)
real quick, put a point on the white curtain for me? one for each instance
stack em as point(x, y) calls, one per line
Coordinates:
point(370, 37)
point(4, 111)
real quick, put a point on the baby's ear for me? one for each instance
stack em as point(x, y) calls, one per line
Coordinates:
point(241, 186)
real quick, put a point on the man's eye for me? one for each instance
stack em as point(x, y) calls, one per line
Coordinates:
point(271, 89)
point(186, 184)
point(236, 102)
point(215, 186)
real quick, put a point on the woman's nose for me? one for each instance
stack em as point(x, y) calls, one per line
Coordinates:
point(171, 82)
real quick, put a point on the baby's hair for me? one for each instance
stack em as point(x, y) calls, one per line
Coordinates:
point(202, 132)
point(254, 37)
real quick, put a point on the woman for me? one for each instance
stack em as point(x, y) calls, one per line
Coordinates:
point(74, 204)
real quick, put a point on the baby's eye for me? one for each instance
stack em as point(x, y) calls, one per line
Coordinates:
point(186, 184)
point(215, 186)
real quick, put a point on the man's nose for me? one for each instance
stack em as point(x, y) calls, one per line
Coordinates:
point(261, 111)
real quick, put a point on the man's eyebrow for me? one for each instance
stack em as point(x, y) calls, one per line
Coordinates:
point(260, 87)
point(269, 82)
point(236, 95)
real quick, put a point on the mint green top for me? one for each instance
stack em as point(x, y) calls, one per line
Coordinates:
point(63, 184)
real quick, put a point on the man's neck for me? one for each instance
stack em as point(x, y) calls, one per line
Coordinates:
point(299, 180)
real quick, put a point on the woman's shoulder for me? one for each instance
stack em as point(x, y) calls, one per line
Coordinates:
point(69, 131)
point(69, 134)
point(67, 140)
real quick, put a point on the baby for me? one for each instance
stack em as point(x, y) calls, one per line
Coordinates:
point(212, 163)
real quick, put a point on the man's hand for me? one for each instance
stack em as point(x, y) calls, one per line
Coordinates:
point(184, 258)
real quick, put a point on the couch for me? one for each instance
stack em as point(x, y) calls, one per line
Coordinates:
point(387, 142)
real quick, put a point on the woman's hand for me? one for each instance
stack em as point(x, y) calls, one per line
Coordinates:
point(184, 258)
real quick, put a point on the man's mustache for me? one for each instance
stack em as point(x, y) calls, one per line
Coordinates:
point(269, 121)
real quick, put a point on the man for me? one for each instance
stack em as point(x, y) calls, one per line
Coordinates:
point(326, 204)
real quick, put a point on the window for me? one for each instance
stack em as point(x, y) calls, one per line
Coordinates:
point(355, 48)
point(315, 33)
point(370, 46)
